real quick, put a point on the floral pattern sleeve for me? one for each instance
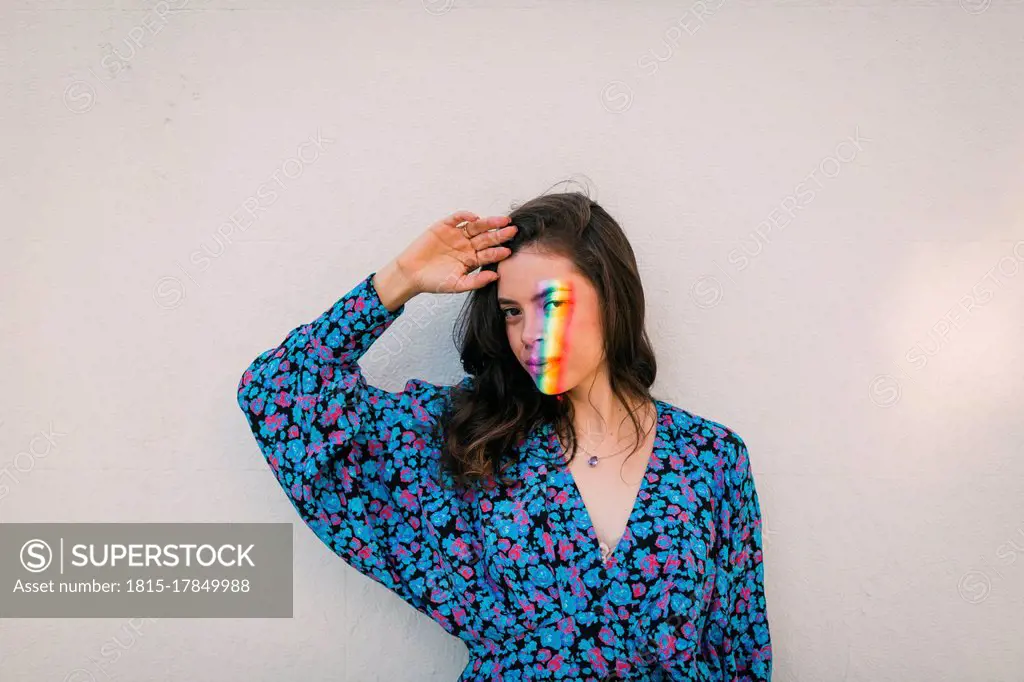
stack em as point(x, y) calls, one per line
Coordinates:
point(735, 644)
point(355, 460)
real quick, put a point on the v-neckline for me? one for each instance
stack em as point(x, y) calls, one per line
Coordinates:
point(579, 506)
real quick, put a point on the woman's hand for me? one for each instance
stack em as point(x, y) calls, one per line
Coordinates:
point(442, 259)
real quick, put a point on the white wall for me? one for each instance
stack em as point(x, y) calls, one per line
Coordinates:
point(870, 353)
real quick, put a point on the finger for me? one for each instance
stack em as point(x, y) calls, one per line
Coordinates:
point(493, 237)
point(475, 280)
point(493, 254)
point(481, 225)
point(458, 217)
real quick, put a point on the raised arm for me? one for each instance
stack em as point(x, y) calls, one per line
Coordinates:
point(359, 463)
point(337, 446)
point(315, 364)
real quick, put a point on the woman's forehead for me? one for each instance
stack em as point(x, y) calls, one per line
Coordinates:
point(524, 274)
point(536, 288)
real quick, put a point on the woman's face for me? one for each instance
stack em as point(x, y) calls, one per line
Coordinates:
point(552, 318)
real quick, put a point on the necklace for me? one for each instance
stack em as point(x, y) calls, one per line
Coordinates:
point(594, 460)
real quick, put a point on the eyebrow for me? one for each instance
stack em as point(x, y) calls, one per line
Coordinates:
point(540, 294)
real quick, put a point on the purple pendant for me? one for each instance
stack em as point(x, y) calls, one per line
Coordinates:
point(592, 461)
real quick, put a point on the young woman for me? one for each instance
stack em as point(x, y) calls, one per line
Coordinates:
point(546, 510)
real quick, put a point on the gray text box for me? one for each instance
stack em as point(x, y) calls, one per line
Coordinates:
point(169, 570)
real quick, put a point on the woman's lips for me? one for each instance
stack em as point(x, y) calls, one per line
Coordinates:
point(538, 365)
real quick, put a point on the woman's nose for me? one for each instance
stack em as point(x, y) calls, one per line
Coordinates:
point(533, 329)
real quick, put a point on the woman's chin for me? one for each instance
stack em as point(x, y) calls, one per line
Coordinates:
point(546, 388)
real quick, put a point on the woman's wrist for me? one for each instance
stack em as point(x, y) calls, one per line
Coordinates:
point(393, 288)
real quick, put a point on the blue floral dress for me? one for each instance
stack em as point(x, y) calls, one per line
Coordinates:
point(517, 573)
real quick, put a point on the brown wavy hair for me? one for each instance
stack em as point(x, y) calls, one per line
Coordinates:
point(499, 404)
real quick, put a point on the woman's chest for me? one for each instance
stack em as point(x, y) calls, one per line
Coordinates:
point(540, 557)
point(611, 492)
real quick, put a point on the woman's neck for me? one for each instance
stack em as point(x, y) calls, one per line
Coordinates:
point(600, 418)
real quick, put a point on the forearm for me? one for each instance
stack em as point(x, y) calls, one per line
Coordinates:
point(313, 356)
point(392, 286)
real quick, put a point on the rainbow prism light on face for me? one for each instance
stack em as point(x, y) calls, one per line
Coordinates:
point(556, 305)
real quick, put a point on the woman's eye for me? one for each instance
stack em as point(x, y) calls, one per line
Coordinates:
point(554, 303)
point(505, 312)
